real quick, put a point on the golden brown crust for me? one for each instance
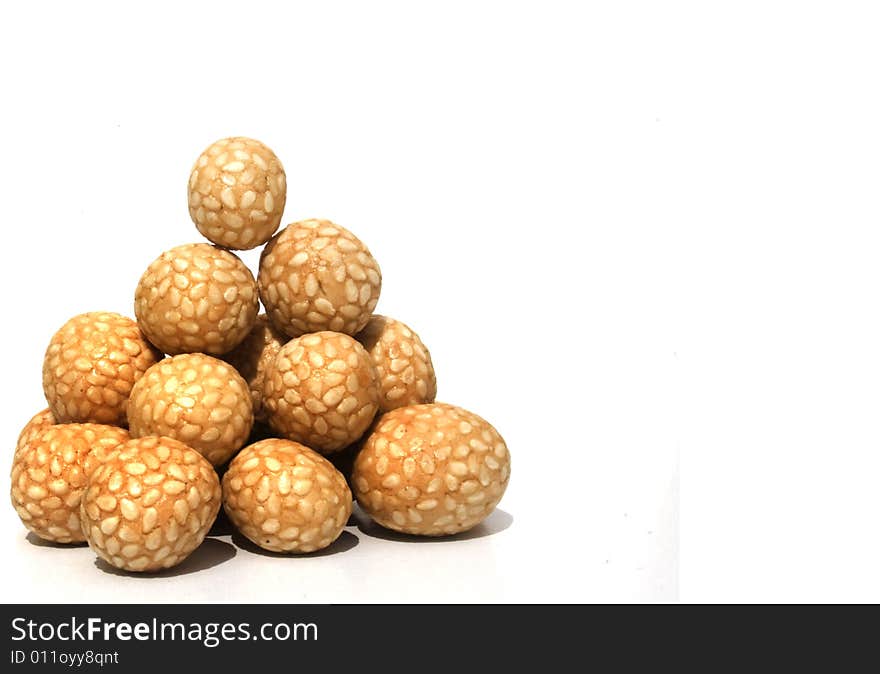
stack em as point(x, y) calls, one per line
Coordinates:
point(314, 276)
point(237, 191)
point(150, 504)
point(196, 298)
point(49, 475)
point(196, 399)
point(321, 391)
point(90, 366)
point(403, 362)
point(34, 427)
point(286, 497)
point(431, 470)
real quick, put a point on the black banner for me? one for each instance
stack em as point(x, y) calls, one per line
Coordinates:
point(377, 638)
point(420, 638)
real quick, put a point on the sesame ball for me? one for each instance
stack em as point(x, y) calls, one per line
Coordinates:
point(406, 374)
point(90, 366)
point(254, 355)
point(37, 424)
point(237, 191)
point(431, 470)
point(150, 504)
point(316, 276)
point(321, 391)
point(285, 497)
point(196, 399)
point(49, 474)
point(196, 297)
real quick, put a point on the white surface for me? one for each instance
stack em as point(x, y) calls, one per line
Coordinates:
point(509, 168)
point(781, 342)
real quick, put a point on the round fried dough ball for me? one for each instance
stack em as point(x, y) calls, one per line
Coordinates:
point(321, 391)
point(90, 366)
point(196, 297)
point(285, 497)
point(49, 474)
point(406, 374)
point(150, 504)
point(431, 470)
point(237, 191)
point(315, 275)
point(254, 355)
point(196, 399)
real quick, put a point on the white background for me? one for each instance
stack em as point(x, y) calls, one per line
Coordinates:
point(623, 229)
point(780, 318)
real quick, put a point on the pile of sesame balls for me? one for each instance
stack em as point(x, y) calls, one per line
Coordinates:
point(200, 401)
